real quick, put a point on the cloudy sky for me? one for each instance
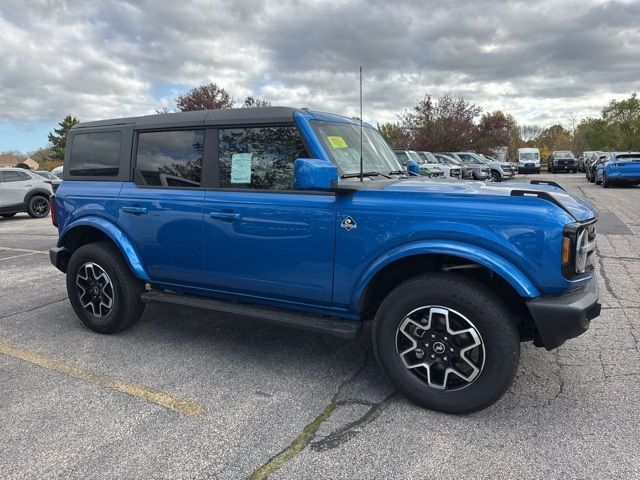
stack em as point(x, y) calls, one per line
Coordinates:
point(539, 60)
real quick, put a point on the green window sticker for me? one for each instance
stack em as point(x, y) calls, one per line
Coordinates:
point(241, 167)
point(337, 142)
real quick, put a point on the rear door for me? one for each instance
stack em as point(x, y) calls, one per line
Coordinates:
point(16, 185)
point(161, 210)
point(263, 239)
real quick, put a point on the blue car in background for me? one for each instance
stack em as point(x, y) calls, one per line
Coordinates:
point(620, 168)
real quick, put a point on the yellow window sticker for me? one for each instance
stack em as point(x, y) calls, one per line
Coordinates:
point(337, 142)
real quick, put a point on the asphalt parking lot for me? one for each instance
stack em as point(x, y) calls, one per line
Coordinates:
point(187, 394)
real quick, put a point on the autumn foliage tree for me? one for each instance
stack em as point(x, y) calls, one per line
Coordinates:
point(205, 97)
point(444, 123)
point(493, 130)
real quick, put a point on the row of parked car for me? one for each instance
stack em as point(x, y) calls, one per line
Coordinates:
point(27, 191)
point(455, 165)
point(612, 168)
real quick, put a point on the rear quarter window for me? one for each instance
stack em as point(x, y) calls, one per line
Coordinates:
point(95, 154)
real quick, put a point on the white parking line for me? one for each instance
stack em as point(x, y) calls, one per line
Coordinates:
point(18, 256)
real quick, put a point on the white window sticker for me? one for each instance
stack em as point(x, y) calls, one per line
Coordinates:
point(241, 167)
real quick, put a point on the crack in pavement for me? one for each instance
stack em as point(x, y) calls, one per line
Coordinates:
point(32, 309)
point(351, 429)
point(299, 443)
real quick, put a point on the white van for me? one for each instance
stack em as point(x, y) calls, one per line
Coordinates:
point(528, 160)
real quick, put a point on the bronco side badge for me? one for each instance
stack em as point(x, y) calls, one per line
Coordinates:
point(348, 224)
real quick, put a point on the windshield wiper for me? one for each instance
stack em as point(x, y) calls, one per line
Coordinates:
point(364, 174)
point(397, 172)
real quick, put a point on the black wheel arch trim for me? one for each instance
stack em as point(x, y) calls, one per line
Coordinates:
point(36, 191)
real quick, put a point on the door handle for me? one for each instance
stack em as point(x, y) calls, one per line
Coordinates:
point(134, 210)
point(226, 216)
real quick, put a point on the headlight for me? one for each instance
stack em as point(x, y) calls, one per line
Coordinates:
point(578, 248)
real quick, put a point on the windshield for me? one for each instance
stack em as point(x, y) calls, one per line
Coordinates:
point(429, 157)
point(563, 154)
point(342, 143)
point(47, 175)
point(445, 160)
point(531, 156)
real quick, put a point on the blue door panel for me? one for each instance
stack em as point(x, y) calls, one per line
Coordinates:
point(270, 245)
point(166, 226)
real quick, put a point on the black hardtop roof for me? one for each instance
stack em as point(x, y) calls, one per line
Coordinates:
point(227, 116)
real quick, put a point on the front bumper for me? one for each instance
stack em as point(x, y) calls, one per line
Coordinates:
point(528, 169)
point(559, 318)
point(566, 167)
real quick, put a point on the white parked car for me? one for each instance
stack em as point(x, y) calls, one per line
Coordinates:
point(23, 191)
point(450, 169)
point(57, 171)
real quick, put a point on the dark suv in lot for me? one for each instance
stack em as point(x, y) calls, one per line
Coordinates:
point(265, 213)
point(562, 161)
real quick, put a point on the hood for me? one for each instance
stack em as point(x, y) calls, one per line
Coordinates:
point(576, 205)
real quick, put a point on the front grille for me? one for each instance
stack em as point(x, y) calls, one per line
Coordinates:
point(529, 164)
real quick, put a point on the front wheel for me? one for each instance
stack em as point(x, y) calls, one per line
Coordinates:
point(495, 176)
point(605, 182)
point(102, 290)
point(447, 342)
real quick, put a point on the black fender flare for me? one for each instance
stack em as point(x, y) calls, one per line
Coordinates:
point(36, 191)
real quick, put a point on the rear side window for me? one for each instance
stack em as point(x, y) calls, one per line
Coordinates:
point(95, 154)
point(12, 176)
point(170, 158)
point(259, 158)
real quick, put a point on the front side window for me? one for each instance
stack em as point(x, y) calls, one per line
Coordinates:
point(95, 154)
point(170, 158)
point(259, 158)
point(342, 142)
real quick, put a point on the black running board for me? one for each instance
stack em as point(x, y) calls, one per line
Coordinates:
point(305, 321)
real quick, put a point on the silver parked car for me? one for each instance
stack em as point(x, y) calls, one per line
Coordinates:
point(23, 191)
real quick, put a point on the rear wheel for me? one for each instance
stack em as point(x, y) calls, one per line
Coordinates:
point(103, 292)
point(447, 342)
point(38, 206)
point(7, 215)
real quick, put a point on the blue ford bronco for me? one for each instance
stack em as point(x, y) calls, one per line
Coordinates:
point(264, 213)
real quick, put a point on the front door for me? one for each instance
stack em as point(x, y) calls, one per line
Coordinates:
point(263, 239)
point(162, 209)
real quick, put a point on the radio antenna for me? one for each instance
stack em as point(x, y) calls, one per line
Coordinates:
point(361, 162)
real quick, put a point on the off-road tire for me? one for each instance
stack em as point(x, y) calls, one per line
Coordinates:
point(485, 311)
point(127, 305)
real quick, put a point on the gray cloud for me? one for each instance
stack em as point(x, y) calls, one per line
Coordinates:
point(536, 59)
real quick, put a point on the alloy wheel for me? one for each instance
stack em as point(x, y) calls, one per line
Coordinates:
point(95, 289)
point(39, 205)
point(440, 347)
